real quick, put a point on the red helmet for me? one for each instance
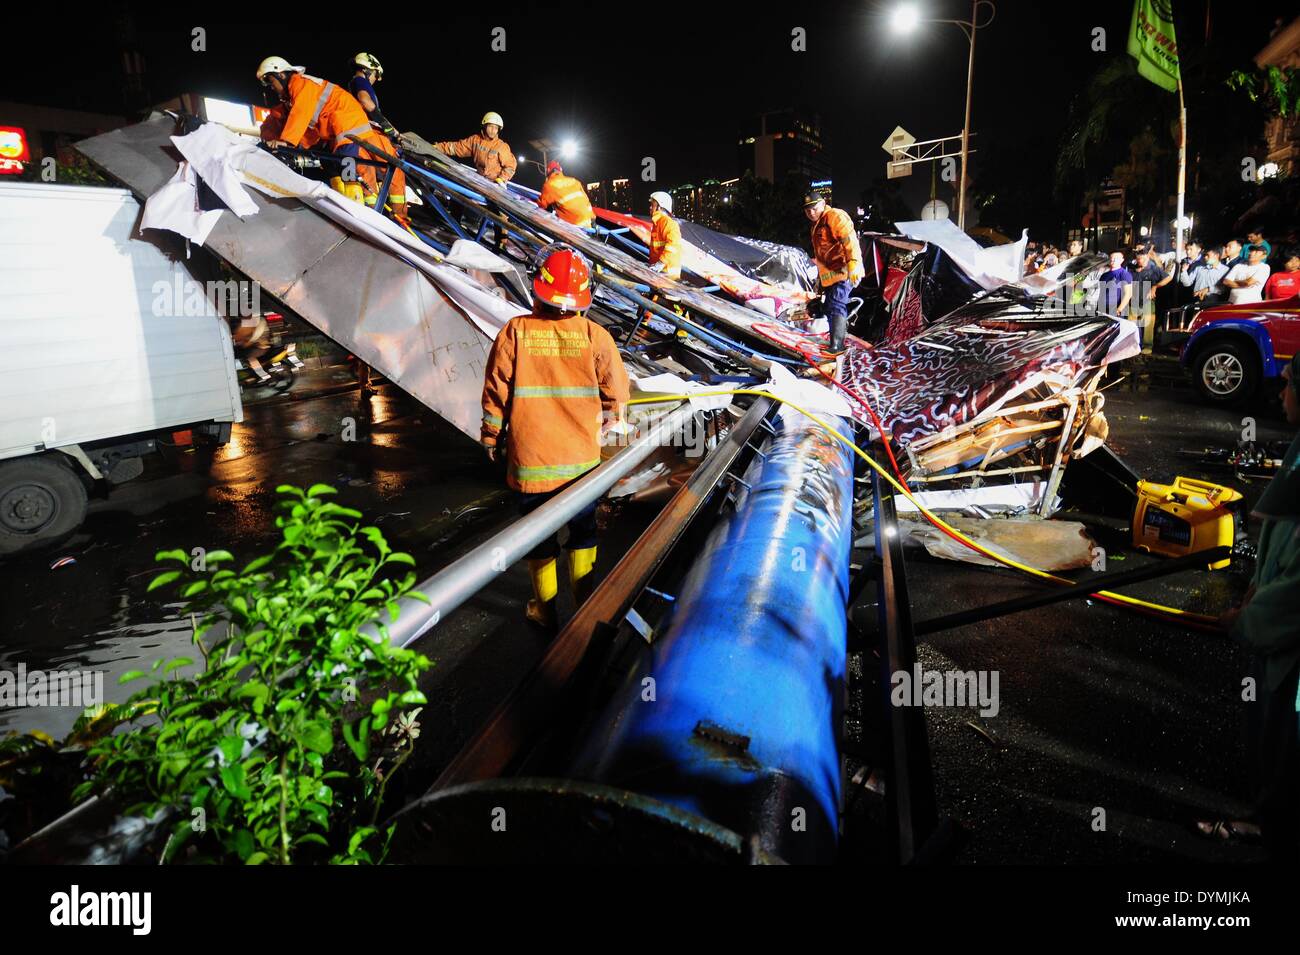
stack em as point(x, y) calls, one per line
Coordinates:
point(553, 166)
point(563, 279)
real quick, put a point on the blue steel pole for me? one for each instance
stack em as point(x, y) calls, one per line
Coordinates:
point(735, 714)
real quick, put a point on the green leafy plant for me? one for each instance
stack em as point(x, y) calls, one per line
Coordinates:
point(1276, 88)
point(279, 745)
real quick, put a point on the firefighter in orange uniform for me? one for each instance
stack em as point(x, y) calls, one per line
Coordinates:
point(566, 196)
point(665, 236)
point(316, 111)
point(838, 257)
point(490, 153)
point(554, 382)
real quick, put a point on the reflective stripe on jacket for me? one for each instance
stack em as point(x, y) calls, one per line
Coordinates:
point(568, 197)
point(372, 176)
point(666, 243)
point(492, 157)
point(328, 112)
point(552, 379)
point(836, 249)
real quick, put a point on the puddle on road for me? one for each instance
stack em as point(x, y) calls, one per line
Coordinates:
point(405, 474)
point(100, 659)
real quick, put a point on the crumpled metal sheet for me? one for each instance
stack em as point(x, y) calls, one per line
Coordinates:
point(735, 317)
point(389, 314)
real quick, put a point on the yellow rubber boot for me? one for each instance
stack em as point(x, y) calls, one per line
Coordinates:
point(581, 563)
point(351, 190)
point(541, 609)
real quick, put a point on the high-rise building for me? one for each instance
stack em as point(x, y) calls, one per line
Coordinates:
point(701, 203)
point(686, 201)
point(614, 194)
point(620, 195)
point(785, 143)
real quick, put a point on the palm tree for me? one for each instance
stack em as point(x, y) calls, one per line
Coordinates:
point(1118, 128)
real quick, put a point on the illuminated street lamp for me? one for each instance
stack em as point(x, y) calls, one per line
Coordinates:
point(565, 150)
point(907, 18)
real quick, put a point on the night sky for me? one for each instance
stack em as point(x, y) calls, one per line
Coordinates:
point(662, 80)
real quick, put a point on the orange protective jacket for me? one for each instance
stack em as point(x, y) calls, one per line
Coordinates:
point(553, 380)
point(327, 111)
point(273, 128)
point(569, 198)
point(666, 243)
point(492, 157)
point(273, 125)
point(836, 249)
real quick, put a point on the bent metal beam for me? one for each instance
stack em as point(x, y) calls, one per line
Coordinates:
point(453, 585)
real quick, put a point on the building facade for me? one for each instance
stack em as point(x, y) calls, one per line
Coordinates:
point(700, 203)
point(1282, 133)
point(39, 132)
point(785, 143)
point(613, 194)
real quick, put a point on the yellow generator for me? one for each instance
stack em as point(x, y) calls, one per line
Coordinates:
point(1184, 517)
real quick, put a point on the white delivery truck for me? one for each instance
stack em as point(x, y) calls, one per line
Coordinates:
point(104, 348)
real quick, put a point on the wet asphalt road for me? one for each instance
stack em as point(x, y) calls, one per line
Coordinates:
point(1099, 709)
point(407, 471)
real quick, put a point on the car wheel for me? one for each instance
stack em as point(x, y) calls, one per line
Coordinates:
point(1225, 372)
point(41, 501)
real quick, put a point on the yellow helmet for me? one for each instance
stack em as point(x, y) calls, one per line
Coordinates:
point(277, 64)
point(370, 62)
point(493, 118)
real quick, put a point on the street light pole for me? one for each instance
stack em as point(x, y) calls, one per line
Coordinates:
point(965, 129)
point(970, 28)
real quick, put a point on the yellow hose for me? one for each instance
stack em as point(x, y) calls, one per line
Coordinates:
point(1196, 618)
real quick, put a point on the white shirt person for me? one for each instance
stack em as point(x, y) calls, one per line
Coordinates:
point(1245, 280)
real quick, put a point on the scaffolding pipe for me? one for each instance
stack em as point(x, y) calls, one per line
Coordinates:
point(455, 584)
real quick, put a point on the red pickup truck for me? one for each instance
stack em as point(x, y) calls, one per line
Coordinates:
point(1232, 349)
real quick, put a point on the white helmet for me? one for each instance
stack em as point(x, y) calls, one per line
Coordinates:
point(665, 201)
point(493, 118)
point(277, 64)
point(370, 62)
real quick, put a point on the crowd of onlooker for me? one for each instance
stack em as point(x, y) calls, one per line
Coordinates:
point(1148, 282)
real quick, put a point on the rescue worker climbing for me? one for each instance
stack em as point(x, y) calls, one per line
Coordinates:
point(554, 384)
point(838, 258)
point(316, 111)
point(665, 236)
point(368, 72)
point(490, 153)
point(565, 196)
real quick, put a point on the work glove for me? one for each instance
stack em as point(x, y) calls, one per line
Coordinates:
point(657, 267)
point(811, 272)
point(491, 451)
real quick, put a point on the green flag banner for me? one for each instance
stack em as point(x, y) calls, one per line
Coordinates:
point(1151, 42)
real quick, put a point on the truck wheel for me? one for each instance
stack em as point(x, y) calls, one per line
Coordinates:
point(1225, 373)
point(41, 502)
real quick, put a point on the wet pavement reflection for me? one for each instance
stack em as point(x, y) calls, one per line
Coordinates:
point(390, 458)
